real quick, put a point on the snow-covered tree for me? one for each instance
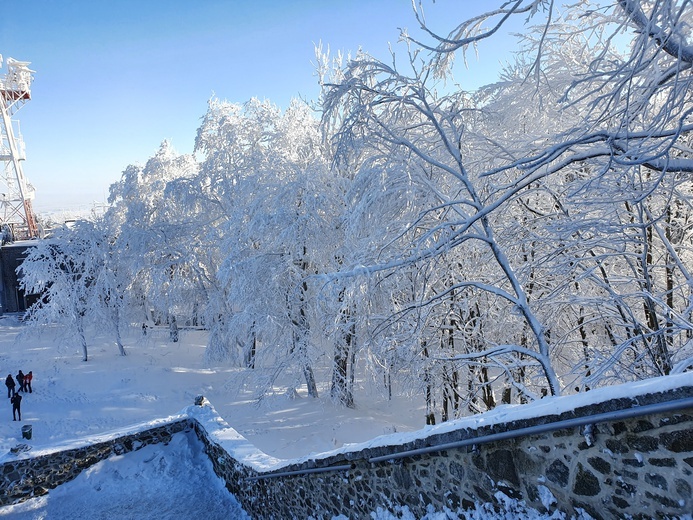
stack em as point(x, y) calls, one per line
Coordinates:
point(577, 121)
point(153, 240)
point(266, 178)
point(373, 104)
point(531, 237)
point(615, 165)
point(74, 273)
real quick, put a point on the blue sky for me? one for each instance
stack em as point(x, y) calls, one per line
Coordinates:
point(115, 78)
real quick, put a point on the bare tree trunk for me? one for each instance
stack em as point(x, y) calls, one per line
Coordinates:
point(585, 346)
point(252, 349)
point(116, 323)
point(352, 372)
point(659, 352)
point(253, 352)
point(445, 412)
point(172, 329)
point(300, 349)
point(388, 381)
point(301, 329)
point(119, 341)
point(452, 397)
point(486, 390)
point(339, 389)
point(310, 380)
point(669, 275)
point(82, 339)
point(430, 401)
point(342, 381)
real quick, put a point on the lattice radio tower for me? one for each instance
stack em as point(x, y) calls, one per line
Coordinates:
point(17, 219)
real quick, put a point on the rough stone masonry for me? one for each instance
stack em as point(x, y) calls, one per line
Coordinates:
point(640, 467)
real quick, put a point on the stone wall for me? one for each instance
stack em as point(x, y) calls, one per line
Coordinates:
point(27, 476)
point(639, 467)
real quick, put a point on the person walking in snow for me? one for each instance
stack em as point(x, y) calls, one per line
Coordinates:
point(16, 406)
point(9, 383)
point(20, 381)
point(27, 381)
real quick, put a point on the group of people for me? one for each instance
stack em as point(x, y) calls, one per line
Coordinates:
point(23, 384)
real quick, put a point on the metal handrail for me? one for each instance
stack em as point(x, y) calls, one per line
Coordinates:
point(343, 467)
point(627, 413)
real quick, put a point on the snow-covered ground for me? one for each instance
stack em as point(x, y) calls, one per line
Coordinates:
point(174, 481)
point(74, 400)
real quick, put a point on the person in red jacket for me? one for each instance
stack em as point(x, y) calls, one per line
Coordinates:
point(27, 381)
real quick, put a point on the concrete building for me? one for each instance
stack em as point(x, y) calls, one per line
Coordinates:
point(12, 297)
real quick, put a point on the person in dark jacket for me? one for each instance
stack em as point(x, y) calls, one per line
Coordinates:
point(16, 406)
point(9, 383)
point(20, 381)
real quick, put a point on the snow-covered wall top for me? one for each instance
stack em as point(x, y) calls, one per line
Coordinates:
point(631, 456)
point(546, 410)
point(639, 463)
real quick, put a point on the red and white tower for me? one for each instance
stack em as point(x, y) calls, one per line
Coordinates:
point(17, 219)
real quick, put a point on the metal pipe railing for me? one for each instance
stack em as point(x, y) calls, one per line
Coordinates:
point(343, 467)
point(543, 428)
point(627, 413)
